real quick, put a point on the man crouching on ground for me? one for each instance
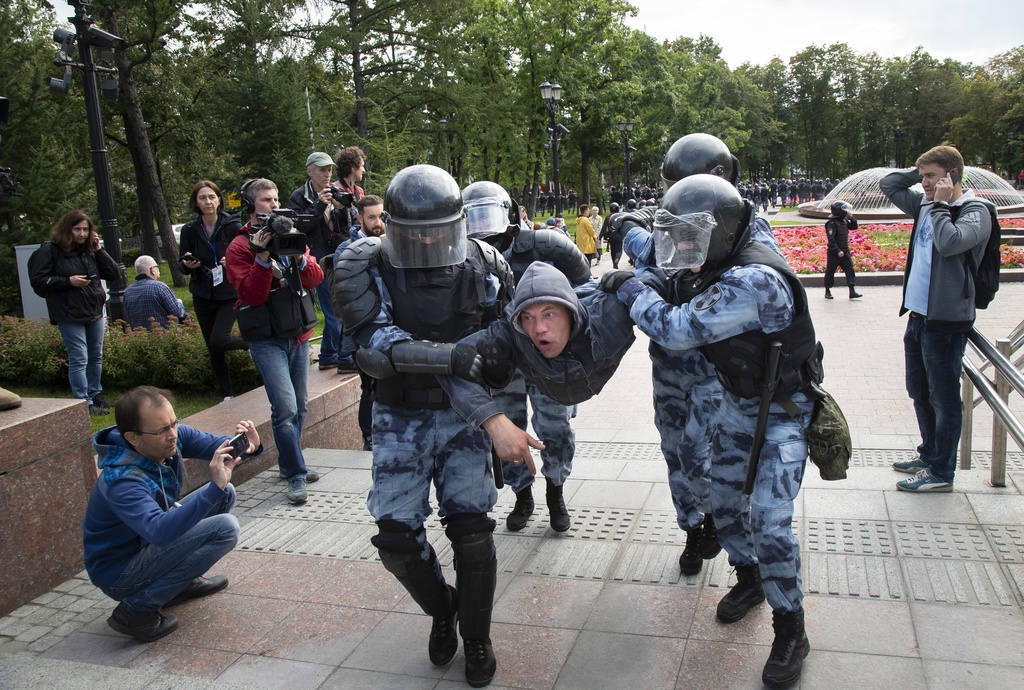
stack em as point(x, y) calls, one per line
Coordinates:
point(143, 548)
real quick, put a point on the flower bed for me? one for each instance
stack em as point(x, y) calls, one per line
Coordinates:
point(875, 247)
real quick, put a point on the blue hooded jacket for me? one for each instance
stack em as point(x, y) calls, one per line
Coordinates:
point(134, 501)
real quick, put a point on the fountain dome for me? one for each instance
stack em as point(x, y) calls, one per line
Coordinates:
point(861, 190)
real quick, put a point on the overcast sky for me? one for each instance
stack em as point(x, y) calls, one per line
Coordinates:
point(755, 31)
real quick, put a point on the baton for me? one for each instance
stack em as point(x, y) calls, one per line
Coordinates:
point(767, 391)
point(499, 480)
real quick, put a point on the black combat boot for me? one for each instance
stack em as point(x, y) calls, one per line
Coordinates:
point(853, 293)
point(559, 515)
point(425, 584)
point(744, 595)
point(709, 546)
point(516, 520)
point(828, 293)
point(788, 650)
point(690, 561)
point(476, 567)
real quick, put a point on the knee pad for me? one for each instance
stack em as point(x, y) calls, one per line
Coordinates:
point(397, 537)
point(474, 551)
point(459, 525)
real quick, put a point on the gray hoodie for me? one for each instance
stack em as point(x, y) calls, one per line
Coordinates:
point(601, 333)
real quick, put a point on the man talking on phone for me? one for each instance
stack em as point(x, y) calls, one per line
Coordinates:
point(951, 228)
point(145, 548)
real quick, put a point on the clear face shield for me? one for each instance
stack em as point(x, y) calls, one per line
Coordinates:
point(485, 217)
point(681, 242)
point(425, 244)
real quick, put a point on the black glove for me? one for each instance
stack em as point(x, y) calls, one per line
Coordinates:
point(466, 362)
point(498, 368)
point(611, 280)
point(655, 279)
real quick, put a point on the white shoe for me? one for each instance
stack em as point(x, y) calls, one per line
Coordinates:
point(226, 398)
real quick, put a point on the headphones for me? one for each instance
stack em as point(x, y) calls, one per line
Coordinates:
point(248, 202)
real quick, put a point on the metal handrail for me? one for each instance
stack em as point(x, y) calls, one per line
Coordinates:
point(995, 393)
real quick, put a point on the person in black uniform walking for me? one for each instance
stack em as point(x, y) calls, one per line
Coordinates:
point(837, 228)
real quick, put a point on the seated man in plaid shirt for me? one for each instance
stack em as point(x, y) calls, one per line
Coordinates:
point(147, 300)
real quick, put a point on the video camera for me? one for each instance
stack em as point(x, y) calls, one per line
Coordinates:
point(346, 199)
point(285, 240)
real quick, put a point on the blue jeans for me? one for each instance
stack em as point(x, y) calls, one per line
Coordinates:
point(157, 574)
point(84, 343)
point(283, 364)
point(934, 364)
point(331, 340)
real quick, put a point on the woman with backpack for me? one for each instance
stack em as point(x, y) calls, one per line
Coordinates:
point(67, 271)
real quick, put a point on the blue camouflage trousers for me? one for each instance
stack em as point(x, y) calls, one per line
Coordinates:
point(686, 399)
point(759, 528)
point(550, 421)
point(413, 448)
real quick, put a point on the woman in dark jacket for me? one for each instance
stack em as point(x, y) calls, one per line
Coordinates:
point(67, 270)
point(203, 242)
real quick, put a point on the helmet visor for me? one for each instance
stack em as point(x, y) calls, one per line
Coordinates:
point(485, 217)
point(425, 244)
point(681, 242)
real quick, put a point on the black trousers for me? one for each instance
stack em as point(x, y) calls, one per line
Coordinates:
point(216, 317)
point(616, 251)
point(835, 261)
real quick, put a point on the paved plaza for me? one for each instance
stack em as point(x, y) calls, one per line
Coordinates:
point(903, 591)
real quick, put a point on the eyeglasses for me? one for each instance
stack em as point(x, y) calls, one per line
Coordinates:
point(162, 432)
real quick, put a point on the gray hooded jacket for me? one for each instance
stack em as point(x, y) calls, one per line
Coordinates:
point(601, 333)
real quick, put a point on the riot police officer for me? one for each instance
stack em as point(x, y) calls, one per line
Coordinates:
point(743, 306)
point(406, 298)
point(491, 215)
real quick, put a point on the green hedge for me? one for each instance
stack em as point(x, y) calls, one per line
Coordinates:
point(32, 353)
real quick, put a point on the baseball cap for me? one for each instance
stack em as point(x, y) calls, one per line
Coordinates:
point(319, 159)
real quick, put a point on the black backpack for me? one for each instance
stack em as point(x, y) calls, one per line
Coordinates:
point(986, 273)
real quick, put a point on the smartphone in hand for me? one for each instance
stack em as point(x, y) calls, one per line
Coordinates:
point(239, 444)
point(954, 176)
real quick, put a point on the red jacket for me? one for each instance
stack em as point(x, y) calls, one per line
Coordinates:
point(253, 281)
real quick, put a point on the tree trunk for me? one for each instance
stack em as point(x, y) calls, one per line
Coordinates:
point(357, 71)
point(145, 165)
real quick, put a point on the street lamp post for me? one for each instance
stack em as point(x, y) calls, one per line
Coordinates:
point(90, 37)
point(626, 127)
point(552, 94)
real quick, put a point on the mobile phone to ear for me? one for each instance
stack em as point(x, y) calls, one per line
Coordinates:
point(954, 175)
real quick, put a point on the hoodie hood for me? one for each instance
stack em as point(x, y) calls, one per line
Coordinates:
point(543, 282)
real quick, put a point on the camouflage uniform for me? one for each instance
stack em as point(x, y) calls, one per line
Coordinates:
point(757, 528)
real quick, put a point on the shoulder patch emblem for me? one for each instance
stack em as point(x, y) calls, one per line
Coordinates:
point(708, 298)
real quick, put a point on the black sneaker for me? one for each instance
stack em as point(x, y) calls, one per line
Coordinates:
point(480, 662)
point(97, 411)
point(744, 595)
point(367, 442)
point(690, 562)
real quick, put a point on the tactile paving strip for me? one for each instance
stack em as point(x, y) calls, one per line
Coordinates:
point(872, 577)
point(1007, 543)
point(852, 537)
point(632, 452)
point(956, 582)
point(935, 540)
point(611, 524)
point(651, 564)
point(658, 528)
point(580, 559)
point(879, 457)
point(327, 540)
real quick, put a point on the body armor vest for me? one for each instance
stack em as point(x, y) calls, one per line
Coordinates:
point(740, 361)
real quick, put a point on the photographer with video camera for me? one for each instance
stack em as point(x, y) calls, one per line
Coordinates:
point(272, 271)
point(325, 221)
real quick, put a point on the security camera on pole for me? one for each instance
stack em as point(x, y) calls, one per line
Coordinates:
point(88, 38)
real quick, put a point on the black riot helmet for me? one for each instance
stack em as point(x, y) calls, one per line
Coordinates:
point(426, 227)
point(613, 207)
point(701, 222)
point(631, 204)
point(491, 214)
point(699, 153)
point(839, 209)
